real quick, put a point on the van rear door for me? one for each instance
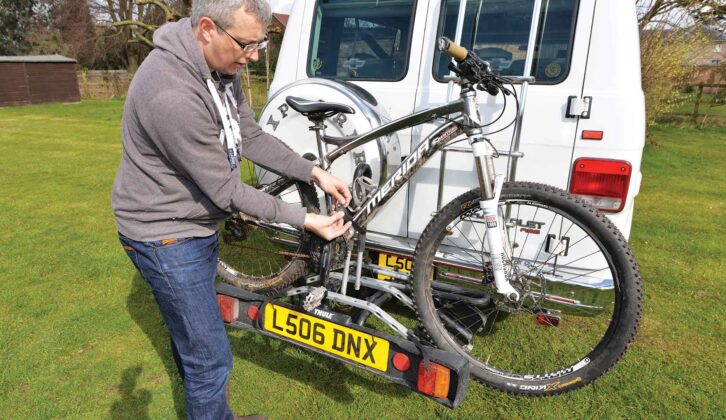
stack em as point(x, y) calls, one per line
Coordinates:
point(613, 81)
point(500, 31)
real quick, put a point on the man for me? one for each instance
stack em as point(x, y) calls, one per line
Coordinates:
point(185, 126)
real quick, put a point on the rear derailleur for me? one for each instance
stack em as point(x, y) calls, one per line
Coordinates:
point(236, 228)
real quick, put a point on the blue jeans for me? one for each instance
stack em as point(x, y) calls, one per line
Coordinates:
point(181, 275)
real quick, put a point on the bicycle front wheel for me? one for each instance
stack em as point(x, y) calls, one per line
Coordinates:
point(580, 288)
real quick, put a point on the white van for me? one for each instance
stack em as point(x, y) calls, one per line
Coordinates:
point(583, 117)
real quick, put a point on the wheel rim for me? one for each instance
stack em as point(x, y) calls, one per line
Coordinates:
point(255, 249)
point(569, 305)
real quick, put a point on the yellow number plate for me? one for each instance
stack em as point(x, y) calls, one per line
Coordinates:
point(393, 262)
point(332, 338)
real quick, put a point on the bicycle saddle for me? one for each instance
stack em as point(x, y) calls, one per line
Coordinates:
point(317, 109)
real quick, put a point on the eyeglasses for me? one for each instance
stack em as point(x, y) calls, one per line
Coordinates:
point(248, 48)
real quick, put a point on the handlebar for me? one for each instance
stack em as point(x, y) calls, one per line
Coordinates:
point(471, 63)
point(469, 68)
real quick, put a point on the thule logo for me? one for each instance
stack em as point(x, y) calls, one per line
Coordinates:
point(323, 314)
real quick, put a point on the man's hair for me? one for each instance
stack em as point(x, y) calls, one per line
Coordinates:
point(221, 11)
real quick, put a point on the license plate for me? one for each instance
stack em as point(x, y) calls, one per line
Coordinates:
point(393, 262)
point(329, 337)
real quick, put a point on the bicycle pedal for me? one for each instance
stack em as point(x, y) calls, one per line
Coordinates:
point(314, 298)
point(363, 186)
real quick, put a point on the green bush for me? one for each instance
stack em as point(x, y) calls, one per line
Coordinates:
point(665, 54)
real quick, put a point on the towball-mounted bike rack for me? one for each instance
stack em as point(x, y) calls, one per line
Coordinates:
point(309, 323)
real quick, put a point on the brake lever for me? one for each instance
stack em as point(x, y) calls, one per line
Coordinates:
point(454, 68)
point(489, 87)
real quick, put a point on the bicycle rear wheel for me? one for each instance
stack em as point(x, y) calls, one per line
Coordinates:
point(267, 257)
point(580, 286)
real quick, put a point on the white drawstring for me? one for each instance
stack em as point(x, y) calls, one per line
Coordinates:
point(233, 123)
point(230, 134)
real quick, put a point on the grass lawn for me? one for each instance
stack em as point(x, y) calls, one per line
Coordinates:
point(81, 336)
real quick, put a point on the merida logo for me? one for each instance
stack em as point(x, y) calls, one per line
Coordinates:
point(408, 165)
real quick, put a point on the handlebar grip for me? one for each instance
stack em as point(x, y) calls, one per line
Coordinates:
point(450, 47)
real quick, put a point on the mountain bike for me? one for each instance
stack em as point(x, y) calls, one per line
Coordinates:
point(536, 288)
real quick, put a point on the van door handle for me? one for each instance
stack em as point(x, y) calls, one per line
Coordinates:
point(578, 107)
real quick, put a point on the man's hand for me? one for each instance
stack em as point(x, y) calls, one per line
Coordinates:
point(331, 185)
point(327, 227)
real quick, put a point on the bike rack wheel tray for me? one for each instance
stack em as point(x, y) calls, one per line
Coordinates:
point(440, 375)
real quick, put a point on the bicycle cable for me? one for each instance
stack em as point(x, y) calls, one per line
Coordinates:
point(501, 113)
point(513, 92)
point(445, 118)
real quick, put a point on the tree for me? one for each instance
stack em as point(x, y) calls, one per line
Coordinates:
point(67, 27)
point(711, 13)
point(135, 21)
point(16, 18)
point(672, 34)
point(77, 28)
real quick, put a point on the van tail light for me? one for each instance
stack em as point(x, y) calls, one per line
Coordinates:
point(434, 381)
point(601, 182)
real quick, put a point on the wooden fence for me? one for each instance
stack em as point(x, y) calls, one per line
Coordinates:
point(104, 84)
point(702, 105)
point(107, 84)
point(716, 89)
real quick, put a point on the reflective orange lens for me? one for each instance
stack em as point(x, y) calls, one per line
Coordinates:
point(434, 381)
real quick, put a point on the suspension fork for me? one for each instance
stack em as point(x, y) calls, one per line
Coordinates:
point(490, 188)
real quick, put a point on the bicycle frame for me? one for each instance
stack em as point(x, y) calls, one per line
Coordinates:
point(489, 183)
point(423, 152)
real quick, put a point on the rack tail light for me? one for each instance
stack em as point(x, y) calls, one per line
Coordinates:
point(434, 381)
point(601, 182)
point(229, 307)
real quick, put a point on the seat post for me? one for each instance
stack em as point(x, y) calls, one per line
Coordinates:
point(319, 128)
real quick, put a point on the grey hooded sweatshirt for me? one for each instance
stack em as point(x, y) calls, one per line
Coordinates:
point(174, 179)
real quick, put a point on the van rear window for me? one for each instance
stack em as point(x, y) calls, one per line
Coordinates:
point(361, 39)
point(498, 32)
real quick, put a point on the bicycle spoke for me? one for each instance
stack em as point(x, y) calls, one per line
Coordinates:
point(263, 249)
point(511, 334)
